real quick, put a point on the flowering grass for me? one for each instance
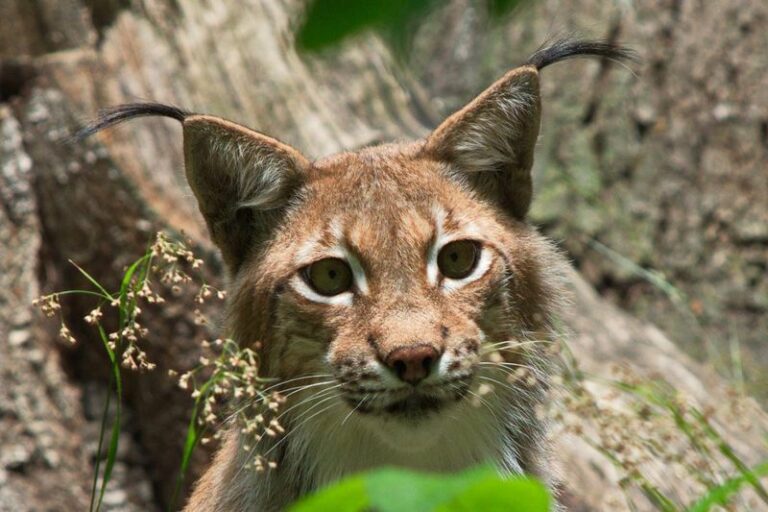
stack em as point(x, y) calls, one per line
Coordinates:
point(227, 374)
point(642, 426)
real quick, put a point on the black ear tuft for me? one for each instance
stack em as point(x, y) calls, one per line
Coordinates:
point(563, 49)
point(116, 115)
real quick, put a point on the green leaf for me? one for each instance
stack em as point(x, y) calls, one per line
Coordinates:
point(393, 490)
point(327, 22)
point(347, 496)
point(500, 8)
point(493, 494)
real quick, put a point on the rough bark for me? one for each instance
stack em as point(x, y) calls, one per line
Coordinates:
point(666, 165)
point(99, 202)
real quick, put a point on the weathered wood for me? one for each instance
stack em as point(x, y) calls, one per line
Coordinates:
point(48, 423)
point(99, 202)
point(39, 408)
point(665, 163)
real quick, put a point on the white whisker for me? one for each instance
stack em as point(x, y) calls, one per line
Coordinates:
point(294, 429)
point(313, 396)
point(510, 344)
point(509, 386)
point(252, 451)
point(507, 363)
point(253, 402)
point(282, 382)
point(485, 403)
point(353, 410)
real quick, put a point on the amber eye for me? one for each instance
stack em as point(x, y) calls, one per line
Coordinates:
point(330, 276)
point(457, 259)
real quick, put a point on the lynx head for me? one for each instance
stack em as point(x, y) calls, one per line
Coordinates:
point(391, 268)
point(398, 278)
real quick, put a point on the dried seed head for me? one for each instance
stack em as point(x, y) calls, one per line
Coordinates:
point(66, 335)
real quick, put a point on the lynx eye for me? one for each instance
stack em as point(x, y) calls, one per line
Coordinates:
point(330, 276)
point(456, 260)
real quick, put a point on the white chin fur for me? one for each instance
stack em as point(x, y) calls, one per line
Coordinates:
point(455, 438)
point(409, 436)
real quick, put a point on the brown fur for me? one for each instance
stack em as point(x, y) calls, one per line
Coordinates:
point(386, 210)
point(381, 201)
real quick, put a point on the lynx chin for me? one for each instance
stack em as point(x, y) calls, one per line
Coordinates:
point(396, 285)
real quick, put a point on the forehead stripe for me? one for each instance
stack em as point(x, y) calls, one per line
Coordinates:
point(438, 215)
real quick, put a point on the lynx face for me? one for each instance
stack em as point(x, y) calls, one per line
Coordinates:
point(381, 283)
point(392, 276)
point(386, 292)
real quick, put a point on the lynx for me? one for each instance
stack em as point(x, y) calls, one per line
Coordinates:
point(405, 276)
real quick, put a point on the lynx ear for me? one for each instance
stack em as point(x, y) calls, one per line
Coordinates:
point(242, 180)
point(489, 143)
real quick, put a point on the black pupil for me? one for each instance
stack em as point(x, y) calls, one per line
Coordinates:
point(332, 274)
point(454, 256)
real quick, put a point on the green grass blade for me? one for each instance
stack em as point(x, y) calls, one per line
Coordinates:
point(125, 306)
point(104, 415)
point(651, 276)
point(115, 380)
point(110, 352)
point(90, 278)
point(190, 443)
point(729, 454)
point(111, 456)
point(85, 292)
point(102, 429)
point(653, 493)
point(721, 494)
point(193, 436)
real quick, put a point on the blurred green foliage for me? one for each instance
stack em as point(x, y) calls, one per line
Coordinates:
point(391, 490)
point(327, 22)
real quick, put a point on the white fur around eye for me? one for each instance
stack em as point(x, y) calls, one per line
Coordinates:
point(358, 274)
point(482, 266)
point(302, 288)
point(442, 239)
point(433, 272)
point(359, 280)
point(448, 284)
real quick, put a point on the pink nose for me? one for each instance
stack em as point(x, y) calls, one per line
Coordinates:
point(412, 364)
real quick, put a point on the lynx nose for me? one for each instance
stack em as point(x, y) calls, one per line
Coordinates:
point(412, 364)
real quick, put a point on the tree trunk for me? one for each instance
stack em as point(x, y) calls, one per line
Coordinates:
point(666, 165)
point(99, 202)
